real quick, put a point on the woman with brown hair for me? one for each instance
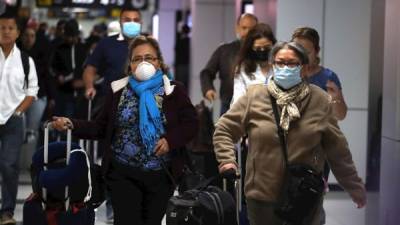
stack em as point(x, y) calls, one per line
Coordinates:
point(146, 120)
point(317, 74)
point(252, 66)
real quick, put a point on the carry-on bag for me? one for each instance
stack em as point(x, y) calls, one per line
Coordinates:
point(203, 205)
point(62, 185)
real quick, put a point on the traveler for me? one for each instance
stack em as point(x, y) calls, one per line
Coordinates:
point(18, 91)
point(253, 66)
point(146, 120)
point(310, 128)
point(222, 62)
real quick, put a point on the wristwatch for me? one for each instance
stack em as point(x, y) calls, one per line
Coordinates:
point(17, 113)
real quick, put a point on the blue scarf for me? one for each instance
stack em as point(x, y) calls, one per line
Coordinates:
point(150, 121)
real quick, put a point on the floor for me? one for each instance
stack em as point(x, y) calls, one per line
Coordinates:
point(339, 207)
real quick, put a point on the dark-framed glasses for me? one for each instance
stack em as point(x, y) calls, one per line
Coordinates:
point(147, 58)
point(281, 64)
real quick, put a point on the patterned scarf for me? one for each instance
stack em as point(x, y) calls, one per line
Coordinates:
point(287, 101)
point(150, 120)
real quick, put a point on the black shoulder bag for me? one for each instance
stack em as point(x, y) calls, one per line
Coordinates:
point(302, 188)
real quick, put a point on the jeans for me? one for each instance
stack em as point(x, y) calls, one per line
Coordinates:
point(34, 114)
point(11, 139)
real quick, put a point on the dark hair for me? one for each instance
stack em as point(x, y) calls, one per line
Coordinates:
point(307, 33)
point(141, 40)
point(249, 15)
point(71, 28)
point(261, 30)
point(9, 15)
point(130, 8)
point(295, 47)
point(60, 23)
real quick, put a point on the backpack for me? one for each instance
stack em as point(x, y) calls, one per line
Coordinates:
point(25, 65)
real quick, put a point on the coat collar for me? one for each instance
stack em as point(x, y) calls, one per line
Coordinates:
point(121, 83)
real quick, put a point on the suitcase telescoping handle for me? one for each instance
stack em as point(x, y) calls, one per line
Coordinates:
point(86, 144)
point(234, 175)
point(47, 128)
point(89, 117)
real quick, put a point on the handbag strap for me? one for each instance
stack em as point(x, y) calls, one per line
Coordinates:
point(281, 133)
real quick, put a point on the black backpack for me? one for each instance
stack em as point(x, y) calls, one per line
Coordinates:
point(25, 65)
point(205, 205)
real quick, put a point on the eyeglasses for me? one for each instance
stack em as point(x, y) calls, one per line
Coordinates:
point(281, 64)
point(147, 58)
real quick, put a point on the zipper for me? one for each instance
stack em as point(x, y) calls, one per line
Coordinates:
point(221, 208)
point(215, 205)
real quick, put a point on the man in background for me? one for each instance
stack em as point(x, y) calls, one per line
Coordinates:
point(222, 62)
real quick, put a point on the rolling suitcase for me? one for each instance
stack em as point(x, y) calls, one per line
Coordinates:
point(91, 146)
point(61, 182)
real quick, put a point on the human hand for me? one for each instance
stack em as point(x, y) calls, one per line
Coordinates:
point(226, 167)
point(360, 198)
point(161, 147)
point(61, 123)
point(60, 79)
point(90, 93)
point(333, 90)
point(211, 95)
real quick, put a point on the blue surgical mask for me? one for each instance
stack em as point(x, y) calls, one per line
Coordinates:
point(287, 77)
point(131, 29)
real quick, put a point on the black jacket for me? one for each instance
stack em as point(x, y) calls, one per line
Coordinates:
point(222, 61)
point(61, 64)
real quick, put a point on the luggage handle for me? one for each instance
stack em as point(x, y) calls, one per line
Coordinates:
point(86, 143)
point(49, 126)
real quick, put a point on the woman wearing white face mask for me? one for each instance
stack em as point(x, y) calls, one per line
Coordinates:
point(310, 132)
point(146, 121)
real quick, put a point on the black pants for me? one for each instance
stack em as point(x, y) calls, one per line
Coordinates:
point(138, 197)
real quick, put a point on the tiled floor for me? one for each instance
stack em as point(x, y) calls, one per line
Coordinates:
point(340, 209)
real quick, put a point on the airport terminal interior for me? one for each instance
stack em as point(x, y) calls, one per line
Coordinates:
point(358, 39)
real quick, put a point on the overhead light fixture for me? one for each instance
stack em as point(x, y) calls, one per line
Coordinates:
point(75, 10)
point(155, 25)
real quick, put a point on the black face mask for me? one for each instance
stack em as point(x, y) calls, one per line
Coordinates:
point(259, 55)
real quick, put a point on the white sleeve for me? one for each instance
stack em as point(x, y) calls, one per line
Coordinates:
point(33, 86)
point(239, 88)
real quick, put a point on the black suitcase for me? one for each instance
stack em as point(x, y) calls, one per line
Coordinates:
point(204, 205)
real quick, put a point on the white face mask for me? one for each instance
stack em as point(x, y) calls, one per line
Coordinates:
point(144, 71)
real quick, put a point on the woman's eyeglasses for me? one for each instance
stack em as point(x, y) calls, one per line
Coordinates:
point(147, 58)
point(281, 64)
